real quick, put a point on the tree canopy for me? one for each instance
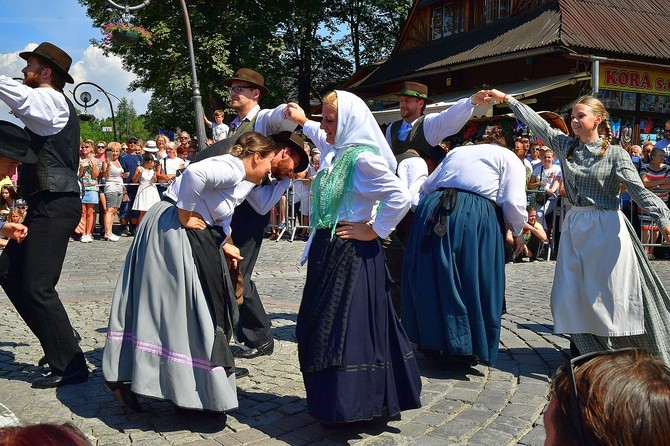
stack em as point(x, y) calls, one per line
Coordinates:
point(303, 48)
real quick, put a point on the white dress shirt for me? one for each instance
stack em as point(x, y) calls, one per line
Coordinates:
point(489, 170)
point(268, 122)
point(43, 110)
point(437, 126)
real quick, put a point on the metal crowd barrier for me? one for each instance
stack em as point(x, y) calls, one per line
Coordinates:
point(627, 205)
point(292, 221)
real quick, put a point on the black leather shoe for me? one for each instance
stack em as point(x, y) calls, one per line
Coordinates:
point(241, 372)
point(51, 380)
point(125, 395)
point(43, 360)
point(264, 349)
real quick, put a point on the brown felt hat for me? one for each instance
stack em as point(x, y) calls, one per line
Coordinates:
point(416, 90)
point(56, 57)
point(250, 77)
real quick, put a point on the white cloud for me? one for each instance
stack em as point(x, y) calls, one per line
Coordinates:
point(93, 66)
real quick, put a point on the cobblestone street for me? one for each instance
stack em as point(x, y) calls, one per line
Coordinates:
point(476, 406)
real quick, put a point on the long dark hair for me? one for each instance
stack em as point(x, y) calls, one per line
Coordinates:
point(496, 136)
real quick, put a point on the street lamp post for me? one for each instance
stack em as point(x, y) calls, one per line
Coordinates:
point(195, 86)
point(86, 97)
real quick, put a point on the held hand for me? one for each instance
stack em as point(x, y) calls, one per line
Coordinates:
point(295, 113)
point(14, 231)
point(480, 98)
point(496, 95)
point(232, 254)
point(518, 245)
point(356, 231)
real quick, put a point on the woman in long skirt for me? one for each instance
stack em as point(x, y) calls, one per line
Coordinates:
point(173, 309)
point(605, 293)
point(453, 282)
point(356, 360)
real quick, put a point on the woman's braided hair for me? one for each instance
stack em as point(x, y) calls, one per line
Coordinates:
point(604, 130)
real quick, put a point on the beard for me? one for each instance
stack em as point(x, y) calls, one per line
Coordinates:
point(282, 169)
point(31, 80)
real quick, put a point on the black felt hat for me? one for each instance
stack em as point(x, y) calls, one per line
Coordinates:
point(295, 142)
point(15, 143)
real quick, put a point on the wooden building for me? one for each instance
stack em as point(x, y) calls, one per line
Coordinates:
point(546, 53)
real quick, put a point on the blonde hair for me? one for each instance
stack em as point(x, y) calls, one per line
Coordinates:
point(163, 137)
point(250, 143)
point(14, 211)
point(114, 145)
point(604, 129)
point(331, 99)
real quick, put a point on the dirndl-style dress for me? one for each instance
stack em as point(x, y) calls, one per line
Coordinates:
point(356, 360)
point(453, 282)
point(172, 316)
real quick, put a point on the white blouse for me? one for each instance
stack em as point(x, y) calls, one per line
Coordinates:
point(489, 170)
point(374, 182)
point(214, 186)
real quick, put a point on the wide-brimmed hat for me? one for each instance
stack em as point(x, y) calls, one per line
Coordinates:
point(295, 142)
point(416, 90)
point(56, 57)
point(151, 146)
point(248, 76)
point(15, 143)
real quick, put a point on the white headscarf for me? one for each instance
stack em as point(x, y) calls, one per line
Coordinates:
point(357, 126)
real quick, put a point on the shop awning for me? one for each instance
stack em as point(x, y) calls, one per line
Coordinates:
point(520, 90)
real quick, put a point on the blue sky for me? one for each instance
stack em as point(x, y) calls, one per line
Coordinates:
point(26, 23)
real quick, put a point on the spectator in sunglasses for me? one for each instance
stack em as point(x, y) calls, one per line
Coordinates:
point(617, 397)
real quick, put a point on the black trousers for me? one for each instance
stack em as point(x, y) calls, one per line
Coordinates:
point(29, 272)
point(248, 226)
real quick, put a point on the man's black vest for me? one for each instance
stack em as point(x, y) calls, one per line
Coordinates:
point(57, 160)
point(403, 156)
point(415, 140)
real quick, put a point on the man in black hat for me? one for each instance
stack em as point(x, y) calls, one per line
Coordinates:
point(254, 327)
point(246, 87)
point(50, 187)
point(14, 150)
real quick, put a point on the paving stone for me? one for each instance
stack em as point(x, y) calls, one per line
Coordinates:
point(477, 406)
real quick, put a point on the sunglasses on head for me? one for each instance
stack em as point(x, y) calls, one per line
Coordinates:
point(575, 412)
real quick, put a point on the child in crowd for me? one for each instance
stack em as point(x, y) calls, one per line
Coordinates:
point(147, 194)
point(89, 172)
point(14, 216)
point(219, 129)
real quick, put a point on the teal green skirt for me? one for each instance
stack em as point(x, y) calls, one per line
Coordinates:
point(453, 283)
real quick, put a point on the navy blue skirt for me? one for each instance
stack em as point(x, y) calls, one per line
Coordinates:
point(453, 286)
point(356, 359)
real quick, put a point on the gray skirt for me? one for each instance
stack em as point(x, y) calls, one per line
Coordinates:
point(161, 330)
